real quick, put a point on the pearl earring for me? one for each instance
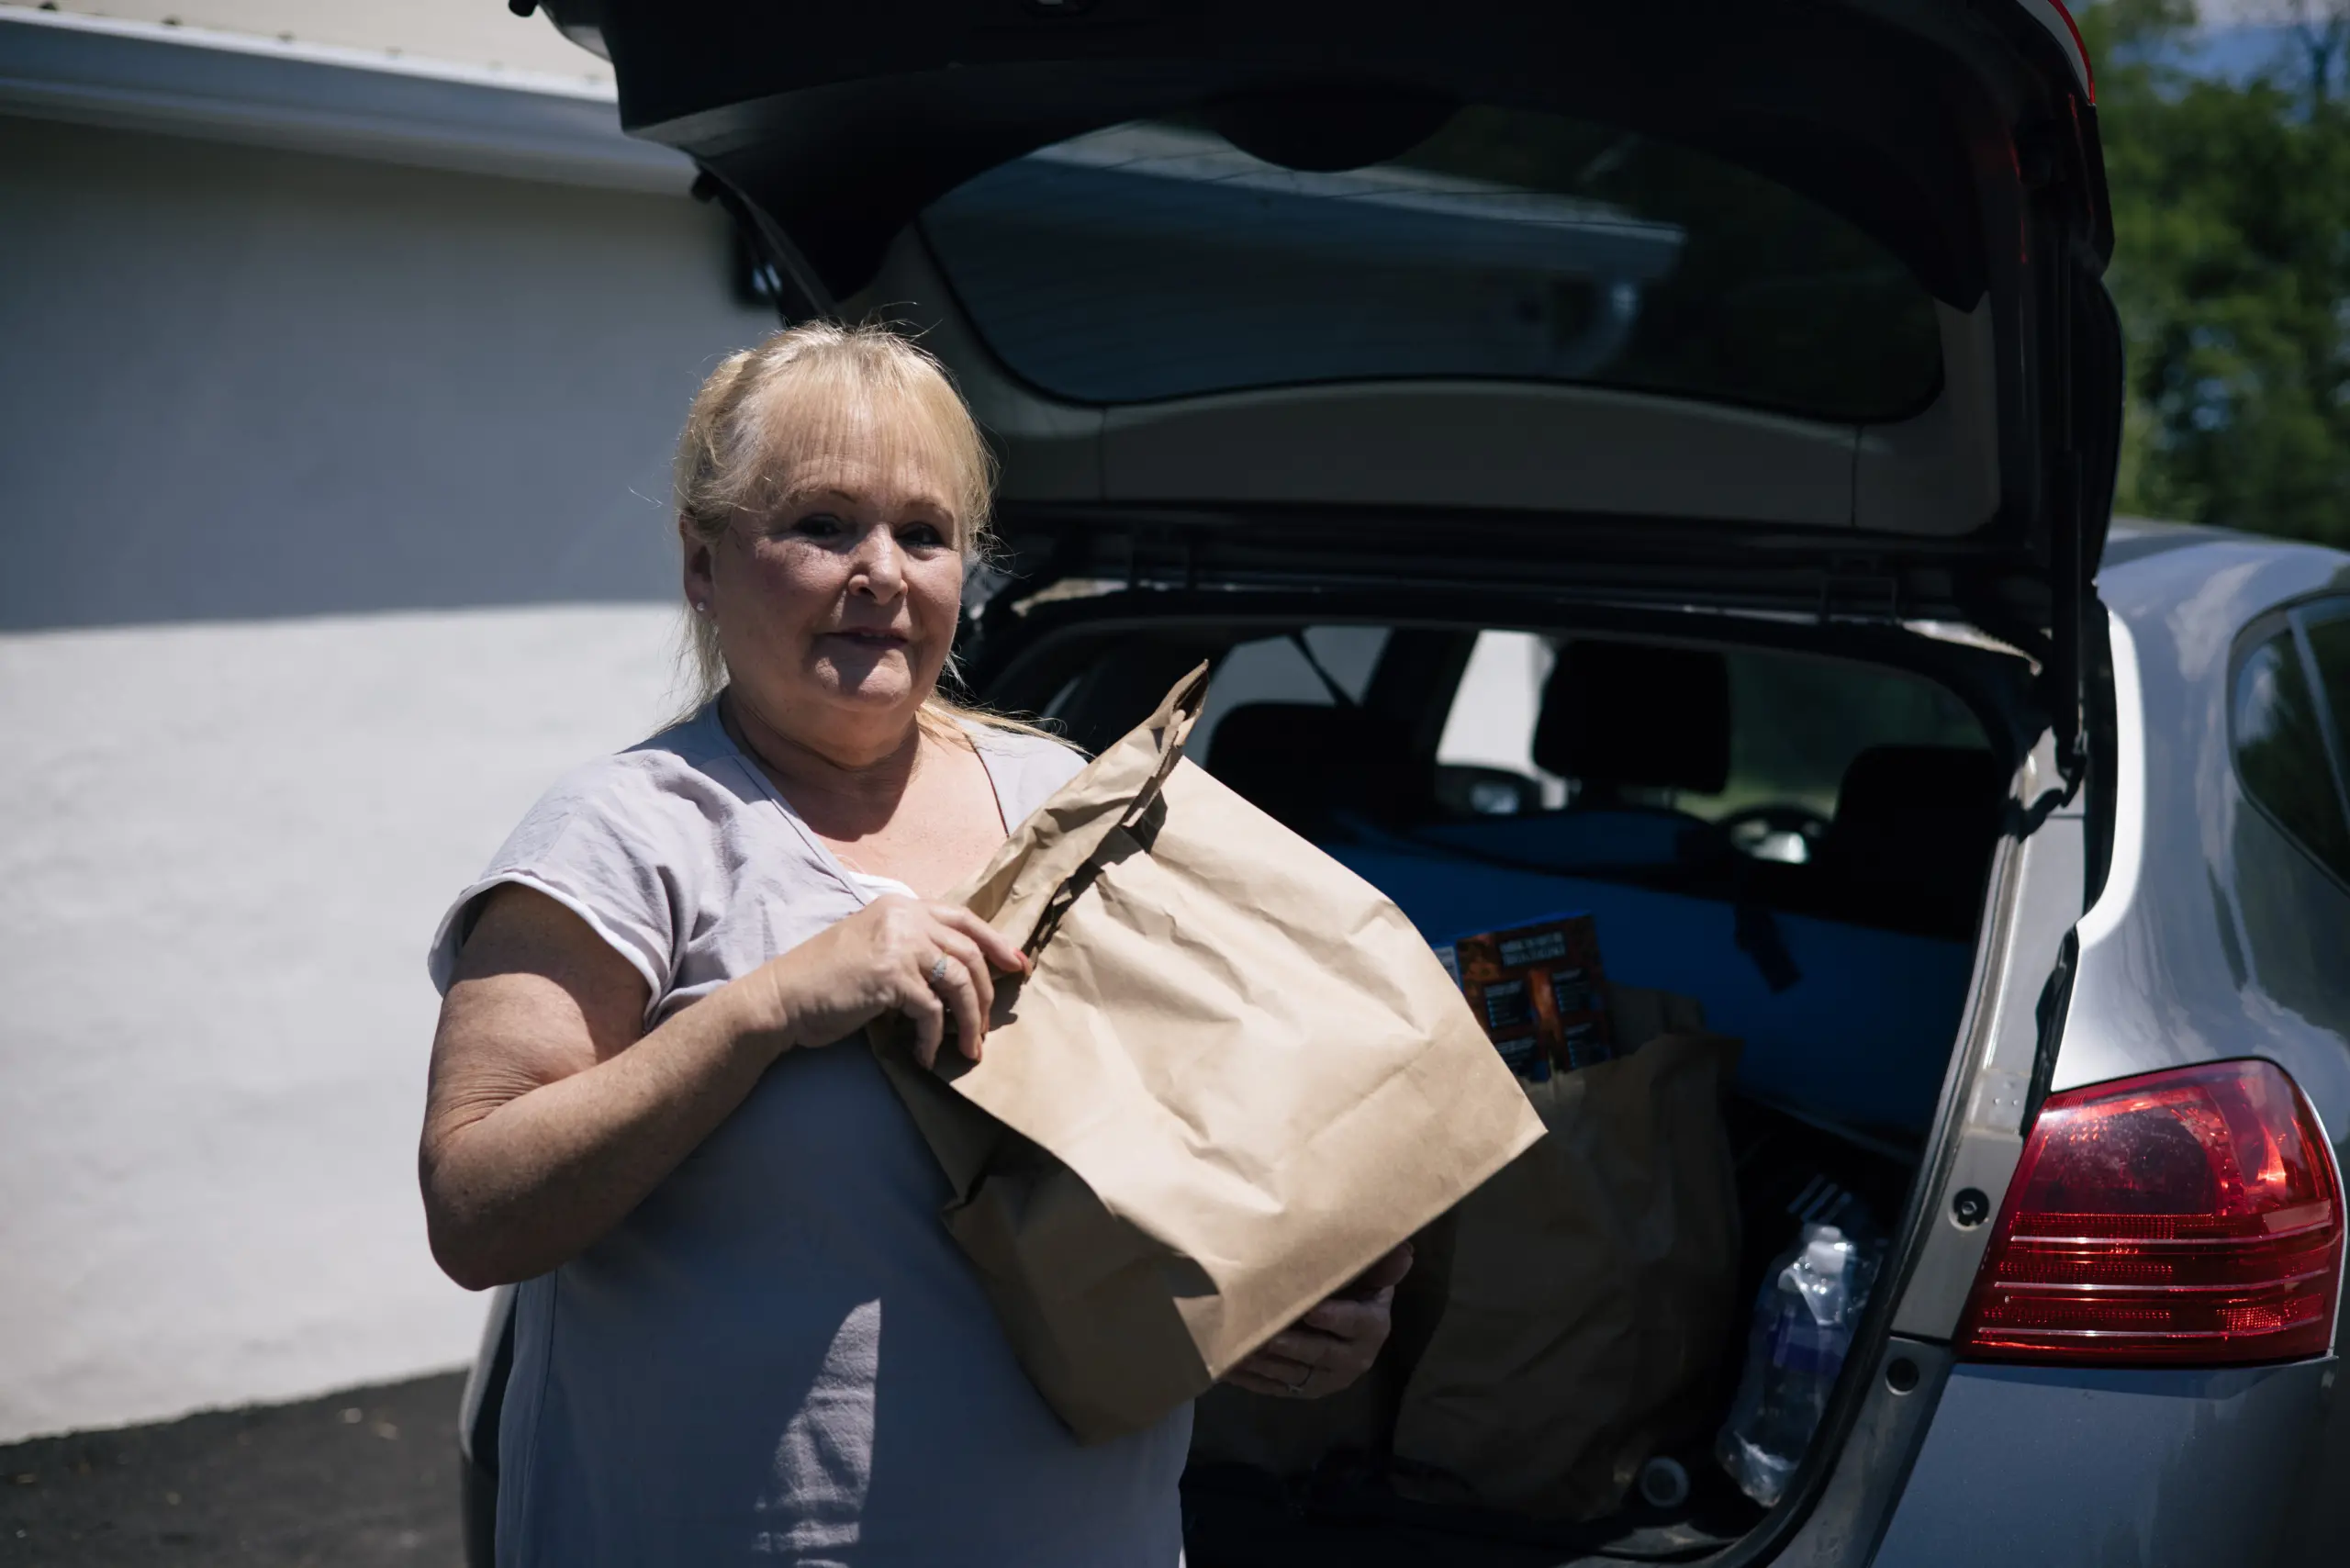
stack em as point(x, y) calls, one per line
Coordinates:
point(701, 607)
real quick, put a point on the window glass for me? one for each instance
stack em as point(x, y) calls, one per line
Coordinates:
point(1798, 723)
point(1157, 259)
point(2280, 748)
point(1275, 669)
point(1795, 725)
point(2327, 626)
point(1494, 709)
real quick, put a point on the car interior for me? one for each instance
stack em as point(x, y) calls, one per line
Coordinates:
point(1797, 840)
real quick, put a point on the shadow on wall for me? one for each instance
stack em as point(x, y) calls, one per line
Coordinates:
point(307, 467)
point(245, 383)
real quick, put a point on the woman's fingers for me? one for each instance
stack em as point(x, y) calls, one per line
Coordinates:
point(1326, 1349)
point(1000, 950)
point(1281, 1371)
point(929, 1015)
point(1335, 1343)
point(1348, 1318)
point(1303, 1346)
point(1245, 1378)
point(964, 954)
point(959, 975)
point(973, 951)
point(883, 958)
point(937, 965)
point(1284, 1370)
point(1304, 1365)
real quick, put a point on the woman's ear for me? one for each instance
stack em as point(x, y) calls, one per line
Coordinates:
point(699, 581)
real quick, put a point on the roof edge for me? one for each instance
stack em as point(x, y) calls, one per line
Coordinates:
point(324, 98)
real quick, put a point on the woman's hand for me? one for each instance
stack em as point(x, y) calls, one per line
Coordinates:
point(1333, 1344)
point(928, 960)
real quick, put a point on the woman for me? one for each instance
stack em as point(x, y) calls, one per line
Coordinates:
point(742, 1328)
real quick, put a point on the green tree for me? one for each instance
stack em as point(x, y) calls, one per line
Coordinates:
point(2232, 269)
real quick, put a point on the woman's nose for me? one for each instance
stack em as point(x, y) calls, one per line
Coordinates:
point(878, 565)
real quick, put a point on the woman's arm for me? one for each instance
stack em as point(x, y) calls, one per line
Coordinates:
point(548, 1118)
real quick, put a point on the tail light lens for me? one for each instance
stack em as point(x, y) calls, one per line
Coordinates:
point(2187, 1216)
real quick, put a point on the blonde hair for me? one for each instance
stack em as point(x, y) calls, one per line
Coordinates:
point(798, 392)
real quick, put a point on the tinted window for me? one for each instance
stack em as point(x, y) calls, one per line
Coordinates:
point(2281, 747)
point(1795, 724)
point(1276, 669)
point(2327, 626)
point(1157, 259)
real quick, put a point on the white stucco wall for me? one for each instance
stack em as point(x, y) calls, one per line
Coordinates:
point(478, 33)
point(226, 848)
point(330, 532)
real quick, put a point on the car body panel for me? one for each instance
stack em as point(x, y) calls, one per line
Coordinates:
point(2207, 940)
point(1991, 1071)
point(2201, 946)
point(2074, 1466)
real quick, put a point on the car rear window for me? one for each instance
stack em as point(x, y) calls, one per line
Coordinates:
point(1156, 260)
point(1797, 725)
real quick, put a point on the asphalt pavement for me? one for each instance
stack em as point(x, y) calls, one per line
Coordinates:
point(363, 1479)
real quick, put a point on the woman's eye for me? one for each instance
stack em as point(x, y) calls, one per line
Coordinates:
point(922, 536)
point(816, 525)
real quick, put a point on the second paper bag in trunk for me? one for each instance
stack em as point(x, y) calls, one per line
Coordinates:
point(1591, 1286)
point(1235, 1078)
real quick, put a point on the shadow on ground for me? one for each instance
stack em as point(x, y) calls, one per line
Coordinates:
point(357, 1479)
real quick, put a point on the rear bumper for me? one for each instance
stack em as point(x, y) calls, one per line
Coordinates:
point(2022, 1466)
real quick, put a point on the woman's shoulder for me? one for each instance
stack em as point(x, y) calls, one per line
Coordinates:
point(1019, 740)
point(684, 773)
point(620, 840)
point(669, 810)
point(1027, 766)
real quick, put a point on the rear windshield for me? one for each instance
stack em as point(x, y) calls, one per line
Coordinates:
point(1156, 260)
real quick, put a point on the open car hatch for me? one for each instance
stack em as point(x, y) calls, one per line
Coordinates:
point(1367, 288)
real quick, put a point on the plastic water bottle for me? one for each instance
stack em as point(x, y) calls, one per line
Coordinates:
point(1804, 1318)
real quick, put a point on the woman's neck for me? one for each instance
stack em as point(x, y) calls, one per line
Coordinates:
point(844, 786)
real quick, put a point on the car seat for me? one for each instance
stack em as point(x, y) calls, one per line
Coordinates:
point(1912, 839)
point(1621, 716)
point(1305, 764)
point(1617, 717)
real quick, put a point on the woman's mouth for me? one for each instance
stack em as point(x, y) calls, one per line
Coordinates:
point(876, 641)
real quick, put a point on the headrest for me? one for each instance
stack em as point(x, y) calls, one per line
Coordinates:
point(1918, 821)
point(1298, 762)
point(1617, 714)
point(1893, 786)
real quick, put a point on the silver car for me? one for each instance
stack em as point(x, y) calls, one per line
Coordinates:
point(1657, 461)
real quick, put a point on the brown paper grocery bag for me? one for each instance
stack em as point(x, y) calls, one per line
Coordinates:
point(1591, 1284)
point(1235, 1078)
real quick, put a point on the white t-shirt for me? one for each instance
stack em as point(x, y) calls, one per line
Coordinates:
point(779, 1355)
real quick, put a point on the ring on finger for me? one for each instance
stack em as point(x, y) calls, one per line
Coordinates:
point(938, 970)
point(1304, 1378)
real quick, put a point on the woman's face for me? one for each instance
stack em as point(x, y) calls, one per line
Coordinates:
point(836, 596)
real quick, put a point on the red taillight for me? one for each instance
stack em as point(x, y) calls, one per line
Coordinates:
point(2190, 1216)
